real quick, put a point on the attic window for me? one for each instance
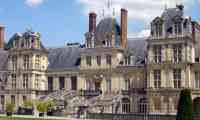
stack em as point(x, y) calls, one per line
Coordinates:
point(158, 29)
point(177, 28)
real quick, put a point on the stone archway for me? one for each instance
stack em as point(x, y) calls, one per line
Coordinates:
point(196, 108)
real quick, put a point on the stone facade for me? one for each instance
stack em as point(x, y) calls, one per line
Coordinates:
point(129, 76)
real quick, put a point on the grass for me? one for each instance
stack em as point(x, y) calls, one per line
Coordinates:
point(19, 118)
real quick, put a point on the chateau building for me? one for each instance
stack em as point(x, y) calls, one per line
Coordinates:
point(110, 73)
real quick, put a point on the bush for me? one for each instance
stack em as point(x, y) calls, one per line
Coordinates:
point(41, 107)
point(50, 105)
point(28, 104)
point(185, 107)
point(10, 107)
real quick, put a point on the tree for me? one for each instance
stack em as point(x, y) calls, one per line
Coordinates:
point(28, 104)
point(185, 107)
point(50, 104)
point(9, 108)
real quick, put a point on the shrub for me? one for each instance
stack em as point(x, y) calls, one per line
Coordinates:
point(185, 107)
point(28, 104)
point(50, 105)
point(41, 107)
point(10, 107)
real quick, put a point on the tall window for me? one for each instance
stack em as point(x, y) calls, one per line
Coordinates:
point(142, 105)
point(62, 83)
point(98, 60)
point(128, 60)
point(178, 28)
point(25, 81)
point(74, 82)
point(50, 83)
point(89, 85)
point(37, 79)
point(2, 101)
point(14, 62)
point(177, 78)
point(157, 54)
point(126, 107)
point(26, 61)
point(13, 81)
point(24, 98)
point(89, 60)
point(158, 29)
point(157, 78)
point(109, 59)
point(197, 80)
point(127, 84)
point(13, 99)
point(37, 61)
point(109, 84)
point(177, 50)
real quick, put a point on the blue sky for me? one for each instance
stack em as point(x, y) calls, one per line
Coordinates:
point(66, 21)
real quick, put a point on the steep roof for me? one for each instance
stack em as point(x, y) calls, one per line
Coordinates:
point(138, 46)
point(64, 57)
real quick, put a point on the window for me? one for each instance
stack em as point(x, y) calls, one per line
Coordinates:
point(158, 29)
point(13, 99)
point(128, 60)
point(26, 61)
point(127, 84)
point(126, 107)
point(62, 83)
point(24, 98)
point(14, 62)
point(37, 61)
point(157, 54)
point(37, 79)
point(177, 50)
point(25, 81)
point(157, 103)
point(2, 101)
point(50, 83)
point(109, 84)
point(197, 80)
point(74, 82)
point(89, 85)
point(142, 105)
point(109, 59)
point(89, 60)
point(13, 81)
point(177, 78)
point(98, 60)
point(157, 78)
point(177, 28)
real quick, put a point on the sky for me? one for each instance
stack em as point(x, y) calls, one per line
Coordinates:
point(66, 21)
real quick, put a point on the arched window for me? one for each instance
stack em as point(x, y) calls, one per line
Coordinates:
point(157, 27)
point(142, 105)
point(126, 107)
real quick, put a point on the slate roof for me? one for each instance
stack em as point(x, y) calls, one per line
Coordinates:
point(139, 48)
point(105, 26)
point(3, 59)
point(64, 57)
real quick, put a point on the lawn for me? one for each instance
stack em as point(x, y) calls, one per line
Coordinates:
point(18, 118)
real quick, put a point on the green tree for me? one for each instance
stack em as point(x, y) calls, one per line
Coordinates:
point(185, 107)
point(41, 107)
point(10, 108)
point(50, 104)
point(28, 104)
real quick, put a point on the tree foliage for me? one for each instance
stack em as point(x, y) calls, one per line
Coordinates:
point(185, 107)
point(10, 107)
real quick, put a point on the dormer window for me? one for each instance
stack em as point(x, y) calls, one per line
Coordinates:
point(158, 29)
point(177, 28)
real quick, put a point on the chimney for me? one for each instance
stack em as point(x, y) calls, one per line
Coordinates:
point(123, 32)
point(92, 22)
point(2, 32)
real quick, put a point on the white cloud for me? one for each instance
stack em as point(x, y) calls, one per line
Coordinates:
point(33, 3)
point(143, 33)
point(138, 9)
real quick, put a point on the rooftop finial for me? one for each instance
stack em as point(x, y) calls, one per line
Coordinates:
point(165, 6)
point(29, 29)
point(109, 4)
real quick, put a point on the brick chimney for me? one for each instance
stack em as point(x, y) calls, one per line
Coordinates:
point(123, 32)
point(2, 32)
point(92, 22)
